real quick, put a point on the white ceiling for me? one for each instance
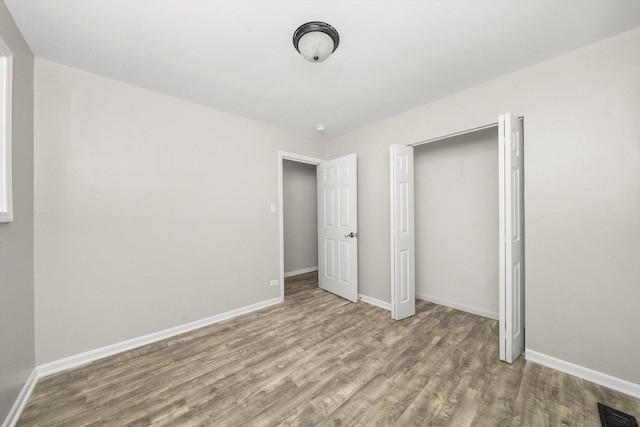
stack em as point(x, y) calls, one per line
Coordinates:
point(237, 56)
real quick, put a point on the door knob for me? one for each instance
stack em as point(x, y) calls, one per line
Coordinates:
point(352, 234)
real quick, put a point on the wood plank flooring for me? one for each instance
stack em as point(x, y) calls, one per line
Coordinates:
point(320, 360)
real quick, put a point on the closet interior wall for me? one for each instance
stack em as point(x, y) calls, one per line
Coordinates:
point(456, 221)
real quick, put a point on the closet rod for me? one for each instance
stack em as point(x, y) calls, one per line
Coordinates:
point(451, 135)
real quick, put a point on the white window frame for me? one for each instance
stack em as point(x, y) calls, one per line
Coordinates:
point(6, 84)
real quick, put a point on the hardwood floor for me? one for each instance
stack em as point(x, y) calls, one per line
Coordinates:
point(320, 360)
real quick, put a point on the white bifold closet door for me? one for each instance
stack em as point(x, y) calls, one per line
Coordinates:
point(403, 271)
point(511, 273)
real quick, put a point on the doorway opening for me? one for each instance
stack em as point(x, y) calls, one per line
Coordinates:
point(300, 218)
point(337, 219)
point(291, 166)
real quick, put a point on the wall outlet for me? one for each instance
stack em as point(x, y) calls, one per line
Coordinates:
point(274, 282)
point(273, 208)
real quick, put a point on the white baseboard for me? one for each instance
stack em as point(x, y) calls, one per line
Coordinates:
point(374, 301)
point(109, 350)
point(21, 401)
point(302, 271)
point(588, 374)
point(461, 307)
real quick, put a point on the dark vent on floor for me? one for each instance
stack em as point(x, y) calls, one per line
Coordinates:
point(610, 417)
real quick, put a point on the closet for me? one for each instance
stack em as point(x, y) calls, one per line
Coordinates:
point(445, 245)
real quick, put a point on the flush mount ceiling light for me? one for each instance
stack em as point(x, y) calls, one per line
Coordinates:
point(316, 40)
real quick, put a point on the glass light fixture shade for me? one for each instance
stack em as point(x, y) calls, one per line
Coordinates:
point(315, 46)
point(316, 41)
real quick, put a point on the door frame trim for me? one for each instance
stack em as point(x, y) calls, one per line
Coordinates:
point(282, 156)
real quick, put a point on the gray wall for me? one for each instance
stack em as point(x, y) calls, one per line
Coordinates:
point(300, 216)
point(582, 195)
point(150, 211)
point(16, 238)
point(456, 220)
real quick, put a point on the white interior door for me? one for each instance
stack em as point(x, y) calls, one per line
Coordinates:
point(511, 196)
point(338, 227)
point(403, 281)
